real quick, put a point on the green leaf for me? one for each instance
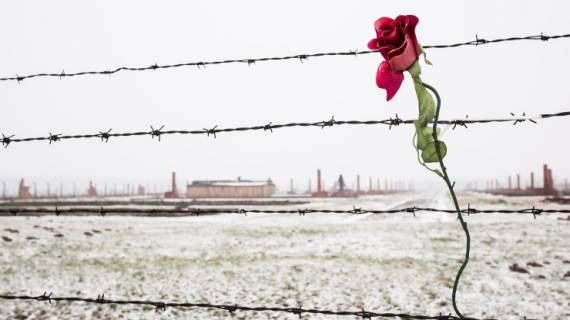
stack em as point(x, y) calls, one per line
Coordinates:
point(427, 107)
point(423, 137)
point(429, 153)
point(425, 102)
point(423, 52)
point(429, 131)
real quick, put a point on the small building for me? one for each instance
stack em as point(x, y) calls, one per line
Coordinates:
point(92, 190)
point(239, 188)
point(23, 191)
point(141, 190)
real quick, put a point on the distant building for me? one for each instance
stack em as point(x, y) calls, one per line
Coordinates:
point(23, 191)
point(239, 188)
point(92, 190)
point(548, 189)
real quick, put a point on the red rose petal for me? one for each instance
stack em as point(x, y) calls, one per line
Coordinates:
point(373, 44)
point(411, 22)
point(391, 37)
point(384, 50)
point(388, 79)
point(408, 20)
point(383, 23)
point(402, 58)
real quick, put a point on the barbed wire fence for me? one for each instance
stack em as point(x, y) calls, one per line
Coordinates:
point(103, 211)
point(231, 308)
point(301, 57)
point(157, 133)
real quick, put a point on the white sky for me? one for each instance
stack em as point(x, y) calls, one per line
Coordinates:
point(42, 36)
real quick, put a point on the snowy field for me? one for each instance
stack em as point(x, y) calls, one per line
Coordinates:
point(384, 263)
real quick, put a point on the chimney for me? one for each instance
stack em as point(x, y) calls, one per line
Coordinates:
point(518, 181)
point(532, 181)
point(358, 183)
point(370, 188)
point(550, 180)
point(319, 187)
point(510, 184)
point(174, 191)
point(545, 177)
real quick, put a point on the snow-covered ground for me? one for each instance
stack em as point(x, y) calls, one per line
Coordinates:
point(384, 263)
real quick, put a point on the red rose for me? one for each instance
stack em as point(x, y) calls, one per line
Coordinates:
point(396, 40)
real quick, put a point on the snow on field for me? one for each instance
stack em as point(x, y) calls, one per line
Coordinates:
point(384, 263)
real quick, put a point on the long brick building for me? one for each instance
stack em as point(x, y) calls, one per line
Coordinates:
point(239, 188)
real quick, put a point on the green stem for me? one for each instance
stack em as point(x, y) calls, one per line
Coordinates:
point(452, 192)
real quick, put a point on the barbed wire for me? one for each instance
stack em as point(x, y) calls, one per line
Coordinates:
point(104, 136)
point(231, 308)
point(103, 211)
point(251, 61)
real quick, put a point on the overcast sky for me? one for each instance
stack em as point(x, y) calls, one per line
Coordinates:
point(487, 81)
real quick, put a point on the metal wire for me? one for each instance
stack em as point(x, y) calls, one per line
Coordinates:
point(158, 133)
point(250, 61)
point(58, 211)
point(161, 305)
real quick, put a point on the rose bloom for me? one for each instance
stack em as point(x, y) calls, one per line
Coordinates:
point(396, 40)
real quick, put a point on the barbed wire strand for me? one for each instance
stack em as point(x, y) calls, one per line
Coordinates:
point(301, 57)
point(100, 210)
point(104, 136)
point(161, 305)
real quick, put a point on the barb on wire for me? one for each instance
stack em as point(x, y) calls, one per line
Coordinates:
point(231, 308)
point(395, 122)
point(158, 133)
point(213, 131)
point(104, 135)
point(251, 61)
point(53, 137)
point(6, 140)
point(159, 211)
point(329, 123)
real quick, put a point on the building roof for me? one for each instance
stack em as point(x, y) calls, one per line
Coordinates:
point(232, 183)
